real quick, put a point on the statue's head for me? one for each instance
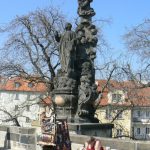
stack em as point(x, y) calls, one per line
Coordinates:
point(68, 26)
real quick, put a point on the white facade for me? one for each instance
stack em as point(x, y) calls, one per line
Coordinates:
point(21, 104)
point(141, 123)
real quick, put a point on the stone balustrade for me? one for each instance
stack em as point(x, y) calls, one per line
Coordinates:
point(112, 144)
point(17, 138)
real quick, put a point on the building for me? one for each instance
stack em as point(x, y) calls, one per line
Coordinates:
point(121, 103)
point(127, 107)
point(114, 108)
point(141, 115)
point(19, 101)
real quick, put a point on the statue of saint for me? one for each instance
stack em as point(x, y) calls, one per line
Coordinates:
point(67, 50)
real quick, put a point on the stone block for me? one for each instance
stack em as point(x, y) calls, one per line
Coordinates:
point(13, 129)
point(3, 128)
point(27, 139)
point(2, 143)
point(23, 130)
point(27, 130)
point(2, 135)
point(31, 131)
point(23, 147)
point(13, 137)
point(143, 146)
point(31, 147)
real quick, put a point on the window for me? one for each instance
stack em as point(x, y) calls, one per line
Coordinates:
point(17, 96)
point(27, 120)
point(16, 107)
point(119, 132)
point(138, 113)
point(147, 113)
point(108, 113)
point(30, 85)
point(138, 130)
point(28, 108)
point(147, 130)
point(116, 97)
point(17, 84)
point(119, 114)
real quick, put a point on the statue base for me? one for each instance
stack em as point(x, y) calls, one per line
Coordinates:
point(66, 104)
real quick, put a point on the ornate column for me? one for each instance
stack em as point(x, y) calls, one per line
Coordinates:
point(87, 41)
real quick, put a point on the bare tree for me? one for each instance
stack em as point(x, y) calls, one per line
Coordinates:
point(30, 47)
point(137, 40)
point(30, 51)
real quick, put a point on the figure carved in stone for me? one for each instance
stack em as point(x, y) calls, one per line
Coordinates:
point(67, 50)
point(85, 9)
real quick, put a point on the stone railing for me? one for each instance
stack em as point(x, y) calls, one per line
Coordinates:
point(111, 144)
point(17, 138)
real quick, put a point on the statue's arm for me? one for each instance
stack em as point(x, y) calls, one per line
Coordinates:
point(57, 37)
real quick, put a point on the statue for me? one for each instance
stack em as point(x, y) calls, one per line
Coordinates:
point(67, 50)
point(65, 82)
point(75, 88)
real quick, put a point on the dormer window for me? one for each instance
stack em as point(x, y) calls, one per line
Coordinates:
point(116, 97)
point(16, 107)
point(17, 84)
point(30, 85)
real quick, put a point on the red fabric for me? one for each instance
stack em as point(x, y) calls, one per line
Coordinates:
point(102, 148)
point(92, 147)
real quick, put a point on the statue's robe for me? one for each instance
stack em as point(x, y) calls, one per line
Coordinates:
point(67, 50)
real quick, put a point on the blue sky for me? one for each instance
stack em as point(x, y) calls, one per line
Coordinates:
point(123, 13)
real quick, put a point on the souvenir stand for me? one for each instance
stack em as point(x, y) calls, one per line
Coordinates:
point(55, 133)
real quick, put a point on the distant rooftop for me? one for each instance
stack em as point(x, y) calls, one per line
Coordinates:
point(19, 84)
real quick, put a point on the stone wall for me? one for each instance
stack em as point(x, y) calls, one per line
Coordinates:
point(95, 129)
point(117, 144)
point(17, 138)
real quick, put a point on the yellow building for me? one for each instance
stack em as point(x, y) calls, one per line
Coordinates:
point(120, 117)
point(115, 108)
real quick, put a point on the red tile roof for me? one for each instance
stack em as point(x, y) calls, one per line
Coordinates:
point(134, 96)
point(22, 85)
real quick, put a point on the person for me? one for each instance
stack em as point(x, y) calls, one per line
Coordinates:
point(93, 144)
point(67, 50)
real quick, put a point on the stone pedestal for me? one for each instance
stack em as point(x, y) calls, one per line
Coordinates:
point(91, 129)
point(66, 101)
